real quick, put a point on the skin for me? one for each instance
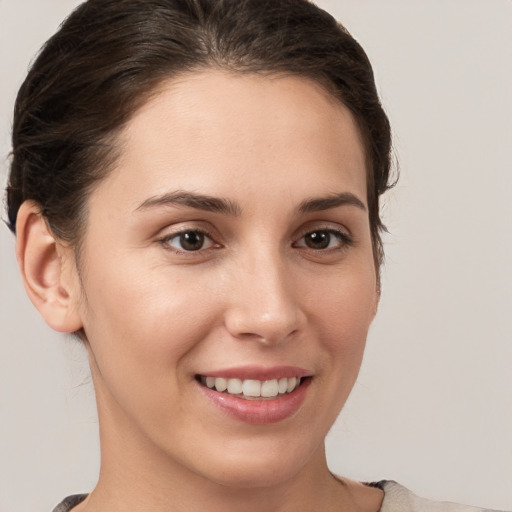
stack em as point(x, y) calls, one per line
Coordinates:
point(156, 316)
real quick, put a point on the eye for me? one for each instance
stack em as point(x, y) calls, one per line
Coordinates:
point(191, 240)
point(322, 239)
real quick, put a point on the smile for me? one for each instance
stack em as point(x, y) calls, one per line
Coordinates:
point(255, 394)
point(251, 389)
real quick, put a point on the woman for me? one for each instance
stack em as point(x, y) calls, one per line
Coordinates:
point(216, 156)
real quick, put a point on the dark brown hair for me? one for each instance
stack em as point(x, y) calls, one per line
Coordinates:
point(110, 55)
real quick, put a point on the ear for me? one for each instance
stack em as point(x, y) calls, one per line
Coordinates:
point(48, 270)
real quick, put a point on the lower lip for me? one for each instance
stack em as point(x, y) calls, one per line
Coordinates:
point(259, 412)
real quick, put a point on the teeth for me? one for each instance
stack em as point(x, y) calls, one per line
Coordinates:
point(269, 388)
point(253, 388)
point(283, 385)
point(292, 383)
point(234, 386)
point(221, 384)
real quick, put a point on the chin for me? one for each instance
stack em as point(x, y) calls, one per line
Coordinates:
point(252, 476)
point(255, 466)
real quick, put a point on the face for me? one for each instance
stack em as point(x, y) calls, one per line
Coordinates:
point(229, 247)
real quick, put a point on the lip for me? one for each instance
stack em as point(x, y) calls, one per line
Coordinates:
point(258, 412)
point(259, 372)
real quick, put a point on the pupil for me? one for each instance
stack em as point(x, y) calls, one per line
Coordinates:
point(192, 240)
point(318, 239)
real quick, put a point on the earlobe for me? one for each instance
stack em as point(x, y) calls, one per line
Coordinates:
point(45, 270)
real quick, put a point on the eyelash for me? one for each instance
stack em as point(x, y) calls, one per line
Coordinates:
point(166, 241)
point(345, 240)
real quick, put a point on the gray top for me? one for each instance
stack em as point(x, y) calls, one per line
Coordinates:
point(70, 502)
point(399, 499)
point(396, 499)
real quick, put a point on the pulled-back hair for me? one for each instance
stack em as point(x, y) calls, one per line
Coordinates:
point(109, 56)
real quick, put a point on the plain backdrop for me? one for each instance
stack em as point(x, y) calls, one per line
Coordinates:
point(433, 405)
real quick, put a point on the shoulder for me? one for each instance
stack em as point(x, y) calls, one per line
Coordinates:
point(399, 499)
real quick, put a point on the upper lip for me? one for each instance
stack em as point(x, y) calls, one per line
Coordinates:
point(259, 372)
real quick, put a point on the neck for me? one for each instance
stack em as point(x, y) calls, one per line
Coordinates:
point(147, 481)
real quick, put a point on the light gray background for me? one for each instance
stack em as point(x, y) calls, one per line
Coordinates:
point(433, 405)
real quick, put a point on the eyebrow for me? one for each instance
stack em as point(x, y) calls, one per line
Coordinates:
point(227, 207)
point(333, 201)
point(193, 200)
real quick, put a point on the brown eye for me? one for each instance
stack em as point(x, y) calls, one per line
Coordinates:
point(318, 239)
point(324, 239)
point(189, 241)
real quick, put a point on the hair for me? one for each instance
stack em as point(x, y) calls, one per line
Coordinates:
point(108, 58)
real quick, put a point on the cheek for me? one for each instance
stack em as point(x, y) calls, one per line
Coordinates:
point(144, 322)
point(342, 312)
point(141, 331)
point(344, 306)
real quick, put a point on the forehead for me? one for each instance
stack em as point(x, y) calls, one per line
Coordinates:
point(224, 133)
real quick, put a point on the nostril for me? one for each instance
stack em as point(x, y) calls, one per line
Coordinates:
point(266, 328)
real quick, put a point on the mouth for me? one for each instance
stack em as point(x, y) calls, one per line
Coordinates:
point(253, 389)
point(255, 394)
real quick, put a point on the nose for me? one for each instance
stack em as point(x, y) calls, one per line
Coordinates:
point(263, 302)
